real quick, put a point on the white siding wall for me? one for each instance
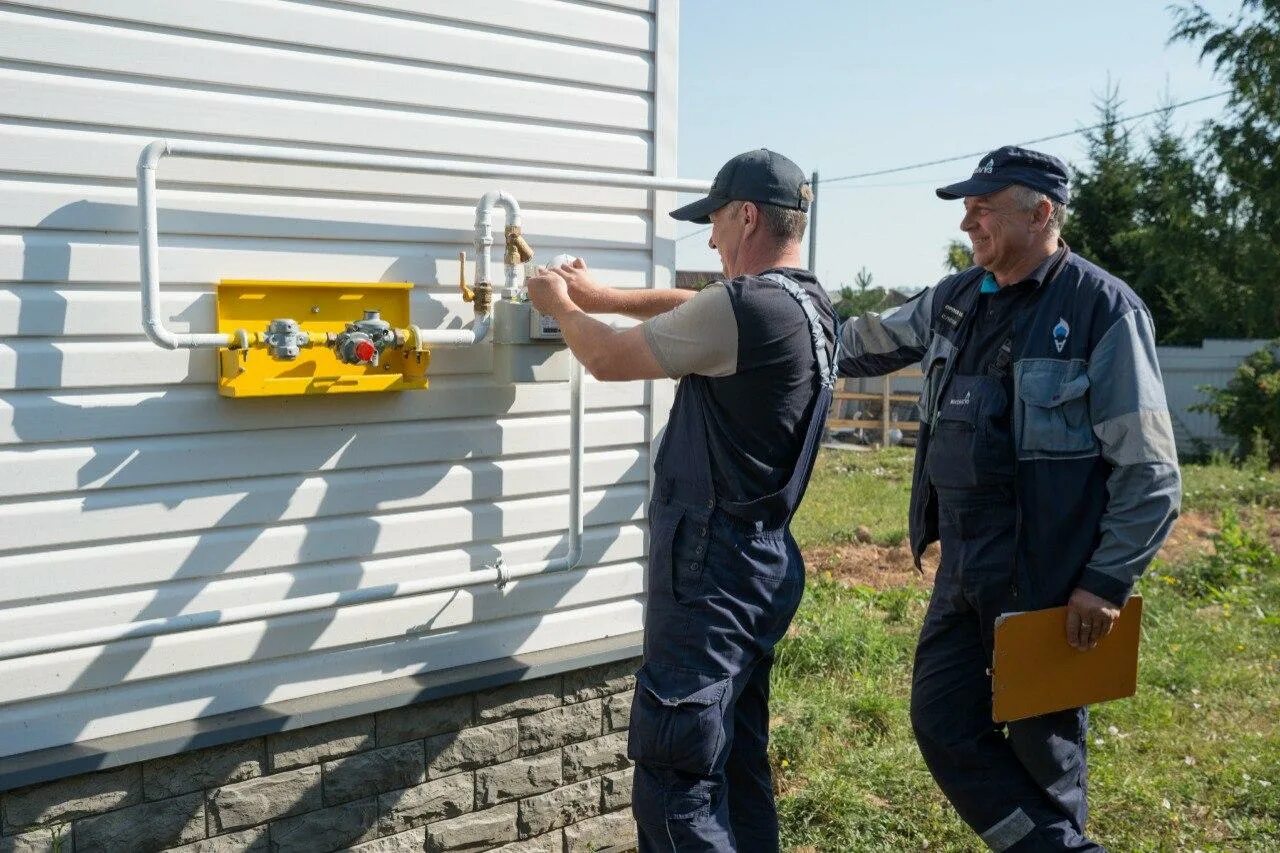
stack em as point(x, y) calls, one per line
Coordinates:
point(130, 490)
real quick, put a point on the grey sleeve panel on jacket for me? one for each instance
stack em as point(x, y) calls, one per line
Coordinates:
point(1131, 420)
point(699, 336)
point(875, 344)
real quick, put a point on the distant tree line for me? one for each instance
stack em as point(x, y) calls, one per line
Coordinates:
point(1194, 226)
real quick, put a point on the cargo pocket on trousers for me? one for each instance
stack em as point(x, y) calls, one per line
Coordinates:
point(678, 718)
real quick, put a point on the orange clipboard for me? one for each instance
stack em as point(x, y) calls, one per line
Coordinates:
point(1035, 671)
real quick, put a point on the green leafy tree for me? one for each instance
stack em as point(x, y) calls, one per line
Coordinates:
point(1242, 148)
point(958, 257)
point(1181, 238)
point(1248, 409)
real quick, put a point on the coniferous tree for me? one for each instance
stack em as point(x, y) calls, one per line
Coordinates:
point(1103, 223)
point(1244, 150)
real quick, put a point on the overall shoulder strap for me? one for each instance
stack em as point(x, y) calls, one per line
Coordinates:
point(816, 333)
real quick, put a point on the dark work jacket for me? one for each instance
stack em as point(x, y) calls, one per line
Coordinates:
point(1096, 478)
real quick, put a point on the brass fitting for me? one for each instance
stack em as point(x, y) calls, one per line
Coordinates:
point(467, 293)
point(518, 251)
point(483, 298)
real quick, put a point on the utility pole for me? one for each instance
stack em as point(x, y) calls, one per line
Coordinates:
point(813, 225)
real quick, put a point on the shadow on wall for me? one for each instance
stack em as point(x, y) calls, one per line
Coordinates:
point(325, 500)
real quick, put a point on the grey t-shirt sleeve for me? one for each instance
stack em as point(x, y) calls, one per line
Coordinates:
point(700, 336)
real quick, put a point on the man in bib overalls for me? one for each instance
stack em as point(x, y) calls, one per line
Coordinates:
point(754, 357)
point(1046, 467)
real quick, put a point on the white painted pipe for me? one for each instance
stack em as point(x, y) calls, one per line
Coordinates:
point(497, 574)
point(484, 238)
point(148, 231)
point(149, 247)
point(394, 163)
point(459, 337)
point(156, 330)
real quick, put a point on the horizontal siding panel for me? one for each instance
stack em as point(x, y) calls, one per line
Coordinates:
point(232, 550)
point(362, 31)
point(553, 18)
point(600, 545)
point(45, 365)
point(269, 500)
point(48, 153)
point(42, 311)
point(45, 311)
point(165, 460)
point(53, 97)
point(129, 707)
point(79, 207)
point(203, 62)
point(75, 258)
point(31, 417)
point(27, 365)
point(314, 631)
point(636, 5)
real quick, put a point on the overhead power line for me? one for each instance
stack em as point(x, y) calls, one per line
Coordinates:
point(1063, 135)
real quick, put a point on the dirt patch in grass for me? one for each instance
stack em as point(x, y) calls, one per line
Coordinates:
point(868, 564)
point(887, 566)
point(1192, 536)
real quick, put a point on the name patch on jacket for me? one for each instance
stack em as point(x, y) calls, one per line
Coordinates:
point(952, 316)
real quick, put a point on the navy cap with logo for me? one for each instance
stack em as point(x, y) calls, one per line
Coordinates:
point(761, 176)
point(1012, 165)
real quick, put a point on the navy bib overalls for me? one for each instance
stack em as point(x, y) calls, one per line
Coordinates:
point(1020, 787)
point(724, 580)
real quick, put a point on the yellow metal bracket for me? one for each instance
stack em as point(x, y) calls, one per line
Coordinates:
point(321, 308)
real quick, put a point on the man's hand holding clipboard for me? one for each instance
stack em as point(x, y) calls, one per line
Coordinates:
point(1089, 619)
point(1039, 667)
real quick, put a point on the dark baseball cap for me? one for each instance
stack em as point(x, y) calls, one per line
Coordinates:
point(761, 176)
point(1012, 165)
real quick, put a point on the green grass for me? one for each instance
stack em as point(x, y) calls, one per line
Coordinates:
point(852, 489)
point(1191, 762)
point(1218, 486)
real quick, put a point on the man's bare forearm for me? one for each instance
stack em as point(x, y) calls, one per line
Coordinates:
point(639, 304)
point(589, 339)
point(606, 353)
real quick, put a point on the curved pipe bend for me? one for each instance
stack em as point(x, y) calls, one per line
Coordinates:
point(149, 261)
point(484, 238)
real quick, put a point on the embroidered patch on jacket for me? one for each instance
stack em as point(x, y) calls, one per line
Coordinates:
point(1060, 334)
point(952, 315)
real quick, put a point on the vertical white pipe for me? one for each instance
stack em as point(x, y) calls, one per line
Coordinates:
point(149, 261)
point(573, 554)
point(484, 238)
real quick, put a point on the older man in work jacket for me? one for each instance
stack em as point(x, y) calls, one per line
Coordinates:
point(1045, 466)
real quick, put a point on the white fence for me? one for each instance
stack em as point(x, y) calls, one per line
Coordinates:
point(1185, 369)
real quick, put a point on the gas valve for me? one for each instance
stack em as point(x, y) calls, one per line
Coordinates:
point(365, 339)
point(284, 338)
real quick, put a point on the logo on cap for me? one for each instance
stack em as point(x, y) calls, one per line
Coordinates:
point(986, 168)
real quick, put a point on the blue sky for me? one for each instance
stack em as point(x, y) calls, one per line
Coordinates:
point(845, 87)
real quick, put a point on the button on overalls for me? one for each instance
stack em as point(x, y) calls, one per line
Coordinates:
point(724, 580)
